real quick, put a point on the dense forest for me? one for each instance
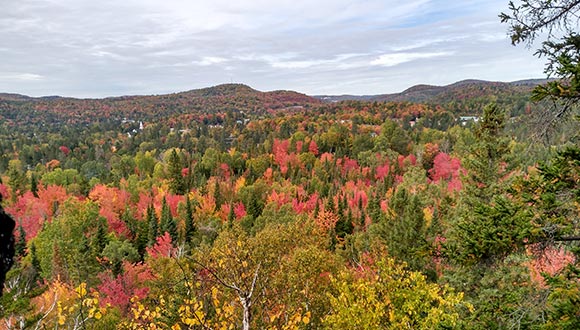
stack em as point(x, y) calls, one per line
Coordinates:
point(228, 208)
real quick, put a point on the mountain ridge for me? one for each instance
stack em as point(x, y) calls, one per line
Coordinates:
point(230, 89)
point(221, 90)
point(432, 93)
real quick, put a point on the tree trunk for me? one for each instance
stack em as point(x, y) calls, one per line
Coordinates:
point(246, 305)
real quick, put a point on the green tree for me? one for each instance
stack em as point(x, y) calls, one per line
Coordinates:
point(118, 251)
point(210, 161)
point(34, 185)
point(153, 223)
point(393, 137)
point(20, 246)
point(145, 163)
point(62, 246)
point(190, 226)
point(16, 178)
point(488, 232)
point(99, 240)
point(142, 238)
point(167, 223)
point(403, 231)
point(174, 172)
point(488, 223)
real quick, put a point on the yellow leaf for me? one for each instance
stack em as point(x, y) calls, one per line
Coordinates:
point(81, 290)
point(240, 183)
point(428, 216)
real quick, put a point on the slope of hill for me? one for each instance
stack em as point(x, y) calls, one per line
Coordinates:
point(440, 94)
point(13, 97)
point(53, 112)
point(466, 96)
point(19, 109)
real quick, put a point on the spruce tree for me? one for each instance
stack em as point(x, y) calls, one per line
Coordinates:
point(374, 208)
point(99, 239)
point(34, 185)
point(217, 195)
point(35, 263)
point(316, 210)
point(231, 214)
point(341, 206)
point(167, 224)
point(20, 246)
point(190, 227)
point(153, 230)
point(343, 226)
point(330, 206)
point(363, 216)
point(487, 225)
point(404, 231)
point(130, 222)
point(175, 176)
point(255, 206)
point(486, 232)
point(142, 238)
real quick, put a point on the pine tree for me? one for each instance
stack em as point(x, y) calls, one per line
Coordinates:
point(255, 206)
point(190, 228)
point(34, 261)
point(153, 230)
point(487, 225)
point(231, 214)
point(330, 206)
point(142, 239)
point(34, 185)
point(167, 224)
point(557, 23)
point(374, 208)
point(344, 226)
point(217, 195)
point(20, 246)
point(316, 210)
point(341, 206)
point(131, 223)
point(175, 176)
point(363, 216)
point(404, 231)
point(99, 240)
point(17, 178)
point(486, 232)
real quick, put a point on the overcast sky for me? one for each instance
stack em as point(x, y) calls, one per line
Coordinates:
point(96, 48)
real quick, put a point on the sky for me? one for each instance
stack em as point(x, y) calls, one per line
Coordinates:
point(89, 48)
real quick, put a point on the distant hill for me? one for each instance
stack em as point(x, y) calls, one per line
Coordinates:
point(190, 105)
point(14, 97)
point(442, 94)
point(53, 112)
point(276, 99)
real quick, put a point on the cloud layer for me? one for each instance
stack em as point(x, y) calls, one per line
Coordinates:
point(102, 48)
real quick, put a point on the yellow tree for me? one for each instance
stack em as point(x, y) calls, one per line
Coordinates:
point(385, 295)
point(251, 273)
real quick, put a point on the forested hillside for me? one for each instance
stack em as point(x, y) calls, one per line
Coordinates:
point(230, 208)
point(464, 97)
